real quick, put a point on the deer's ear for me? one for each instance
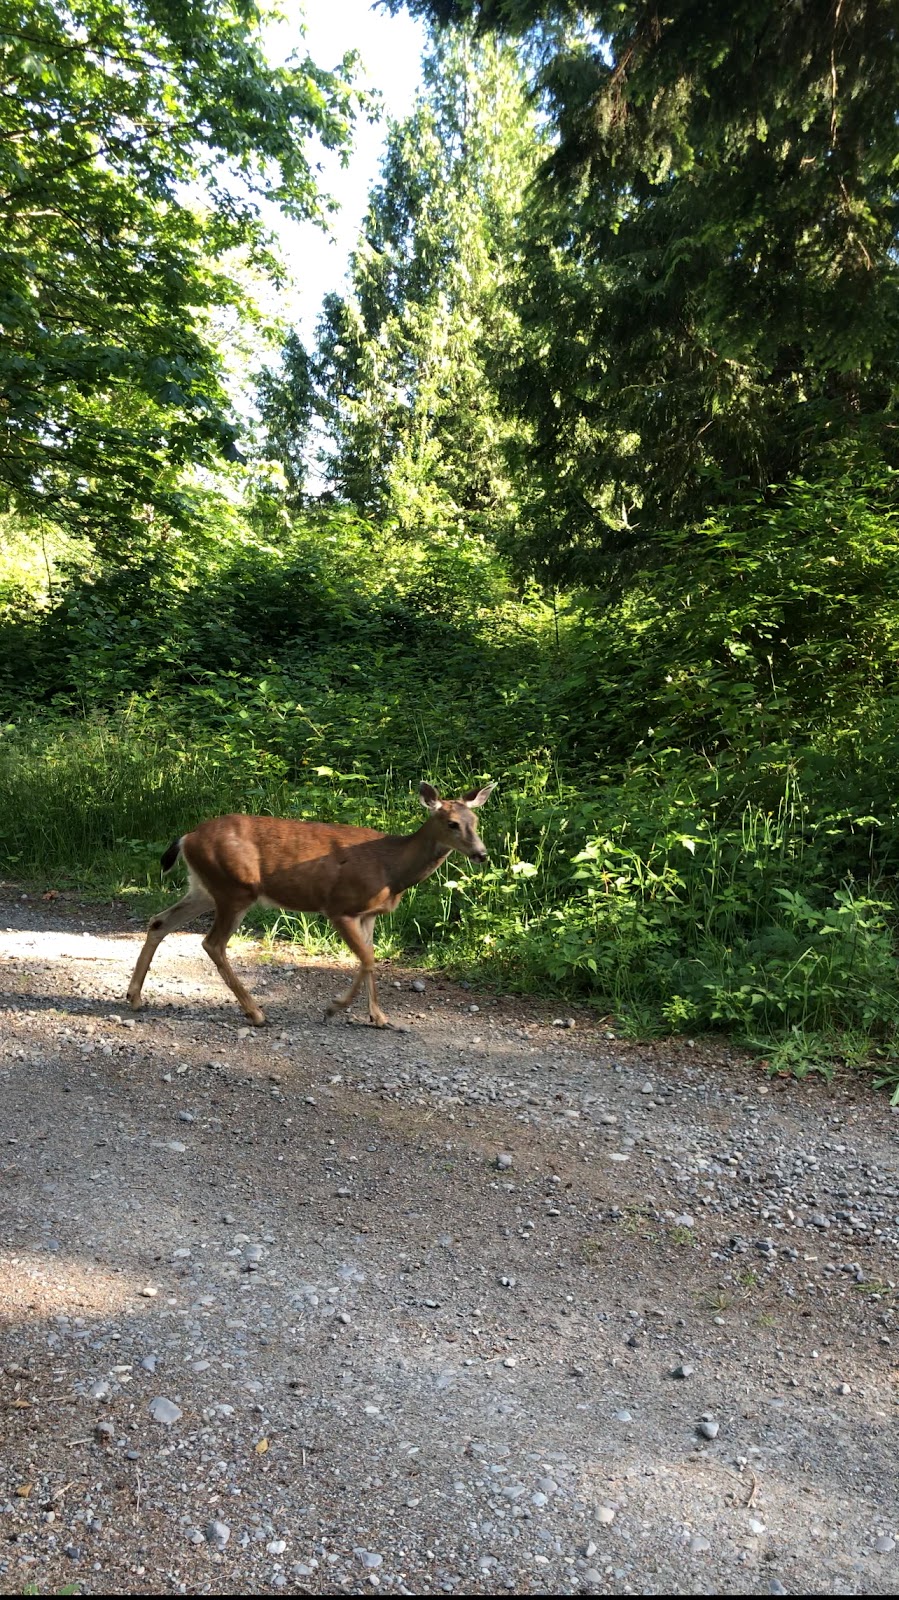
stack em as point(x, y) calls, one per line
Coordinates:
point(478, 796)
point(429, 797)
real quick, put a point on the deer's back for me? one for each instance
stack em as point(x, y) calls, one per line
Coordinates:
point(303, 866)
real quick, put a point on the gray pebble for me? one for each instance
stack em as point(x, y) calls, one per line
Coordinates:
point(164, 1411)
point(708, 1430)
point(699, 1545)
point(884, 1545)
point(623, 1416)
point(682, 1371)
point(776, 1587)
point(99, 1390)
point(418, 986)
point(149, 1363)
point(605, 1515)
point(504, 1161)
point(369, 1559)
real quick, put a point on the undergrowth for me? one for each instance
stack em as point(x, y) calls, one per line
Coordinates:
point(681, 837)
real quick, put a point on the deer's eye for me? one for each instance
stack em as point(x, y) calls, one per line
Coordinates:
point(454, 825)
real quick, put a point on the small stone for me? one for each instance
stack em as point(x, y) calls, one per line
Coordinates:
point(699, 1545)
point(591, 1580)
point(504, 1161)
point(369, 1559)
point(844, 1388)
point(755, 1526)
point(884, 1545)
point(623, 1416)
point(418, 986)
point(149, 1291)
point(647, 1087)
point(776, 1587)
point(276, 1547)
point(99, 1390)
point(682, 1371)
point(218, 1534)
point(605, 1515)
point(164, 1411)
point(149, 1363)
point(186, 1116)
point(708, 1429)
point(103, 1432)
point(177, 1146)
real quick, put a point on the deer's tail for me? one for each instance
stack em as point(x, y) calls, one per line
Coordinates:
point(171, 855)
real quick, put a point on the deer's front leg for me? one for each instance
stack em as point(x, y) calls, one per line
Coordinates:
point(357, 933)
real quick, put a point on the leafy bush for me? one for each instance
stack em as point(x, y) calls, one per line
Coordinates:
point(695, 820)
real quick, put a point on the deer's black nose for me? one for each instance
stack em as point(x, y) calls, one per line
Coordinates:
point(481, 856)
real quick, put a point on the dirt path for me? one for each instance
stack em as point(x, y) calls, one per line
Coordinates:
point(391, 1362)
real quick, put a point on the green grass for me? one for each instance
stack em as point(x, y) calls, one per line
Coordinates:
point(655, 899)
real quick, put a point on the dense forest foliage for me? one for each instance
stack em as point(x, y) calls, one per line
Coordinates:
point(586, 484)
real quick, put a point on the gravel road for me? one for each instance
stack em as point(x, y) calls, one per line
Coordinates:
point(489, 1305)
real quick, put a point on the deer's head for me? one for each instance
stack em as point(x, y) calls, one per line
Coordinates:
point(456, 820)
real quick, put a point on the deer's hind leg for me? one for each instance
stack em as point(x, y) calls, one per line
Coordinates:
point(357, 932)
point(228, 917)
point(194, 904)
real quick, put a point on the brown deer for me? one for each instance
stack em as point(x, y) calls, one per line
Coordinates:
point(349, 875)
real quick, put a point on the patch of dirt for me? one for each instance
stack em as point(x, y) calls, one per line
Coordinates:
point(416, 1299)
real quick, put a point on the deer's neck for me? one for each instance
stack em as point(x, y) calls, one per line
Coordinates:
point(417, 855)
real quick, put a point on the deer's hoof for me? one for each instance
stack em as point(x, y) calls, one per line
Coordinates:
point(257, 1018)
point(134, 1000)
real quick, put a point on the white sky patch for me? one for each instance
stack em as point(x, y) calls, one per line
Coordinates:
point(390, 49)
